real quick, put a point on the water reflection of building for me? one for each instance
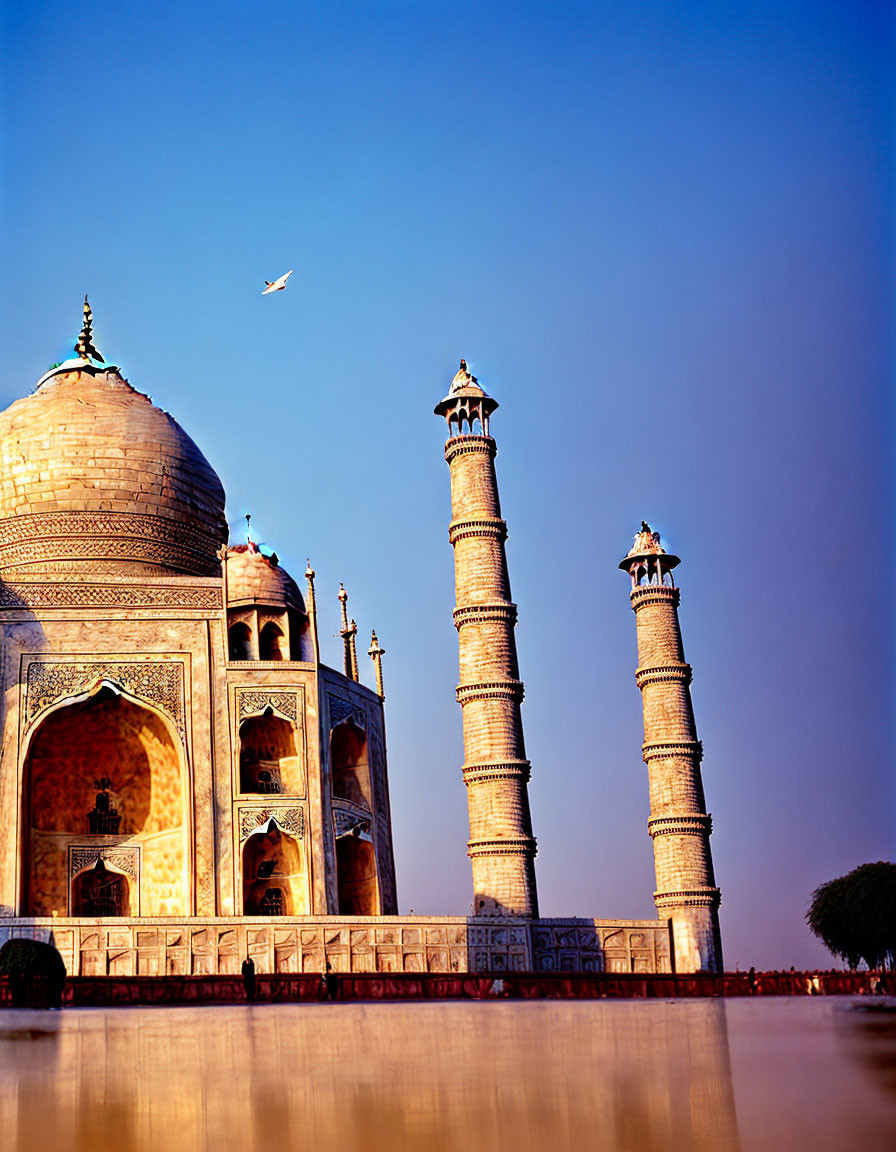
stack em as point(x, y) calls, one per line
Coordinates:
point(527, 1076)
point(183, 781)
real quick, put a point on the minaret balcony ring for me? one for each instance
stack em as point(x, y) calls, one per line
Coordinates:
point(490, 690)
point(699, 824)
point(511, 846)
point(663, 674)
point(688, 897)
point(506, 770)
point(460, 529)
point(651, 593)
point(502, 611)
point(667, 749)
point(464, 445)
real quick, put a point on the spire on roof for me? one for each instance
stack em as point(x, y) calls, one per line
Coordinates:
point(376, 654)
point(84, 346)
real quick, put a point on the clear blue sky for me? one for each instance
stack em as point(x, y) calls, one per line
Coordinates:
point(660, 234)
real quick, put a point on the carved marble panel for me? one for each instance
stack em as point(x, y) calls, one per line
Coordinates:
point(159, 682)
point(289, 820)
point(254, 701)
point(348, 823)
point(341, 709)
point(124, 859)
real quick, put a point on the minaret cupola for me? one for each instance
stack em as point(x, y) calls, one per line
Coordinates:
point(647, 562)
point(465, 404)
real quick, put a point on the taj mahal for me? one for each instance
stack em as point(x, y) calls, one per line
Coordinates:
point(184, 783)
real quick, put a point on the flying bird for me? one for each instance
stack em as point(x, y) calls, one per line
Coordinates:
point(277, 285)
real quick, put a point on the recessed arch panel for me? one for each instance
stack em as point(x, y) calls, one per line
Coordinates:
point(110, 740)
point(273, 874)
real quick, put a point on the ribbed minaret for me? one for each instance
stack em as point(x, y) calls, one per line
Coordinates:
point(496, 770)
point(679, 824)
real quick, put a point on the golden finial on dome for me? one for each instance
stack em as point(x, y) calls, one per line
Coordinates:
point(84, 346)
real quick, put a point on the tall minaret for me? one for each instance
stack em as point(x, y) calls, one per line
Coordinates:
point(679, 824)
point(496, 770)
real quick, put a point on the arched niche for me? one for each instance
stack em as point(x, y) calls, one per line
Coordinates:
point(356, 877)
point(273, 874)
point(272, 643)
point(239, 641)
point(100, 890)
point(349, 766)
point(111, 737)
point(269, 757)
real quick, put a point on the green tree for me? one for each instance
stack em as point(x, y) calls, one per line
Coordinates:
point(855, 915)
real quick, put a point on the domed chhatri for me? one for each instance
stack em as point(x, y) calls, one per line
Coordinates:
point(265, 609)
point(94, 477)
point(253, 578)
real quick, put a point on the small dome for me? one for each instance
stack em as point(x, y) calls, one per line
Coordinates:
point(94, 477)
point(253, 578)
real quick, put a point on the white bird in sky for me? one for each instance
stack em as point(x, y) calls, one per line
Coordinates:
point(277, 285)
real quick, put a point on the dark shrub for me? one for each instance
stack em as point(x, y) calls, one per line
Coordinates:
point(36, 973)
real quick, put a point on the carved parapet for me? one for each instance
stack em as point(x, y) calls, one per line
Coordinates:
point(501, 611)
point(663, 674)
point(490, 690)
point(505, 770)
point(663, 750)
point(509, 846)
point(464, 445)
point(478, 526)
point(688, 898)
point(654, 594)
point(696, 824)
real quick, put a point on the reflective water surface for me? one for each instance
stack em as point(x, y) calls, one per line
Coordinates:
point(797, 1074)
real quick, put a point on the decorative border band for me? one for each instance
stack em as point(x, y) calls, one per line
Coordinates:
point(490, 690)
point(30, 594)
point(85, 536)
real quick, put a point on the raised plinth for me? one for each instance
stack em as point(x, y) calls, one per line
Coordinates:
point(160, 946)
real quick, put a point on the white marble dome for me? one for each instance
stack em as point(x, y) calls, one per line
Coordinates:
point(95, 478)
